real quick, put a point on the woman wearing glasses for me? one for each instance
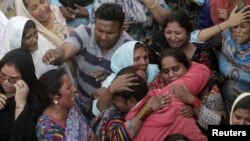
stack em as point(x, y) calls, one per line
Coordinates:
point(17, 83)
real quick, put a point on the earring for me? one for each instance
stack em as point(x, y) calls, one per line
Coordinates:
point(56, 102)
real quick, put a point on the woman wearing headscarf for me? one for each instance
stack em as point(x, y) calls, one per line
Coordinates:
point(176, 70)
point(48, 19)
point(125, 56)
point(25, 35)
point(17, 86)
point(131, 53)
point(240, 113)
point(50, 23)
point(233, 55)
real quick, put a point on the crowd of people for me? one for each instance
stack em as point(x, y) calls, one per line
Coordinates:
point(103, 70)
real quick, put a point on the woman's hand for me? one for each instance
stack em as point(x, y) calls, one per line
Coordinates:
point(66, 13)
point(79, 11)
point(187, 111)
point(22, 91)
point(3, 99)
point(239, 17)
point(123, 82)
point(99, 75)
point(182, 93)
point(158, 102)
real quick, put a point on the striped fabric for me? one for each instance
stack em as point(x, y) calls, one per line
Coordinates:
point(115, 130)
point(89, 57)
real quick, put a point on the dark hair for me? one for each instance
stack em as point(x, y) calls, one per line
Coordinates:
point(110, 12)
point(176, 137)
point(178, 54)
point(139, 91)
point(29, 24)
point(181, 18)
point(25, 3)
point(140, 45)
point(243, 103)
point(22, 60)
point(49, 85)
point(12, 64)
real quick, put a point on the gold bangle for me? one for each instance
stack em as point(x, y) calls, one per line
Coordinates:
point(144, 112)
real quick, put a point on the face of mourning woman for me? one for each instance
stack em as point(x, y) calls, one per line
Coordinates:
point(67, 92)
point(141, 59)
point(9, 75)
point(39, 9)
point(175, 35)
point(241, 117)
point(171, 69)
point(241, 33)
point(30, 39)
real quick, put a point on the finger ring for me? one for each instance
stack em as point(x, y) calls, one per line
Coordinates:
point(129, 84)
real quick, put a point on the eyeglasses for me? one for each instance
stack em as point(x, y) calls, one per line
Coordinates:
point(10, 79)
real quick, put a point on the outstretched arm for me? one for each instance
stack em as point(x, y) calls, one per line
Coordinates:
point(158, 12)
point(234, 19)
point(59, 55)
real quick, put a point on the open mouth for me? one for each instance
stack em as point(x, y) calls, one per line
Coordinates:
point(45, 15)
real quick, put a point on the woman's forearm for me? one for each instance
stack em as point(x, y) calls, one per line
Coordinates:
point(208, 33)
point(18, 111)
point(159, 14)
point(136, 122)
point(104, 100)
point(234, 19)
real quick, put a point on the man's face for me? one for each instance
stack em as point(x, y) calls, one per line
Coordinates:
point(107, 33)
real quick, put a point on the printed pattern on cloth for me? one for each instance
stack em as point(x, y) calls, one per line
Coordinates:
point(48, 129)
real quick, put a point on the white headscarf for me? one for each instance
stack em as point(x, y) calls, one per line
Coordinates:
point(3, 23)
point(241, 96)
point(124, 57)
point(21, 10)
point(13, 39)
point(14, 32)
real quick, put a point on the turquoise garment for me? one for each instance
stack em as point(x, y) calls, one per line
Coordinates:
point(236, 53)
point(237, 80)
point(124, 57)
point(231, 71)
point(234, 60)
